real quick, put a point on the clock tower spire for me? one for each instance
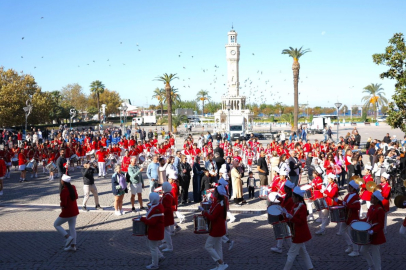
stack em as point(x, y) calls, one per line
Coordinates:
point(233, 58)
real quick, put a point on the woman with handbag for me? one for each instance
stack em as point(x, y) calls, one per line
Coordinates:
point(119, 187)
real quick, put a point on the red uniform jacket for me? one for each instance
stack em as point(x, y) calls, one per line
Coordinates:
point(288, 204)
point(175, 194)
point(155, 222)
point(275, 183)
point(376, 215)
point(386, 195)
point(331, 192)
point(329, 166)
point(168, 202)
point(125, 163)
point(317, 184)
point(301, 232)
point(69, 207)
point(352, 207)
point(215, 215)
point(366, 195)
point(3, 168)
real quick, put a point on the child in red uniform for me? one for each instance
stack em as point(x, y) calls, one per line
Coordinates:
point(155, 222)
point(352, 206)
point(376, 217)
point(386, 189)
point(217, 229)
point(365, 194)
point(168, 202)
point(3, 172)
point(21, 165)
point(300, 230)
point(287, 203)
point(173, 176)
point(317, 186)
point(330, 193)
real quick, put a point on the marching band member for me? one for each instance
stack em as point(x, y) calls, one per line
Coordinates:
point(3, 173)
point(7, 159)
point(376, 217)
point(222, 189)
point(365, 194)
point(317, 186)
point(217, 229)
point(173, 176)
point(402, 230)
point(352, 206)
point(155, 222)
point(101, 161)
point(286, 203)
point(300, 230)
point(329, 194)
point(386, 189)
point(224, 180)
point(21, 165)
point(167, 201)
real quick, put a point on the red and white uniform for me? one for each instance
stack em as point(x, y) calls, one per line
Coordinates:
point(155, 222)
point(352, 207)
point(216, 217)
point(366, 195)
point(331, 193)
point(386, 195)
point(317, 185)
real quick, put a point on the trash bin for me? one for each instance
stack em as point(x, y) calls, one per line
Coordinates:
point(377, 123)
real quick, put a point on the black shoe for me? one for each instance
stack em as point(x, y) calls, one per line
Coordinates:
point(84, 208)
point(183, 203)
point(142, 208)
point(133, 209)
point(98, 207)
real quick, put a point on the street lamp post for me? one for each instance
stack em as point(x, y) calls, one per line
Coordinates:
point(72, 113)
point(338, 105)
point(125, 116)
point(121, 118)
point(228, 109)
point(27, 111)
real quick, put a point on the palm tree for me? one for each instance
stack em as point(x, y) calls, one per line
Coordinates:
point(159, 94)
point(166, 79)
point(375, 96)
point(175, 97)
point(177, 120)
point(295, 54)
point(202, 95)
point(97, 88)
point(290, 119)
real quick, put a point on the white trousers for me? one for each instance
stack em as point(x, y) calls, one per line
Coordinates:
point(72, 227)
point(102, 168)
point(325, 219)
point(224, 238)
point(214, 247)
point(375, 261)
point(368, 203)
point(279, 242)
point(155, 252)
point(402, 231)
point(345, 230)
point(230, 216)
point(309, 205)
point(86, 191)
point(298, 249)
point(179, 215)
point(167, 237)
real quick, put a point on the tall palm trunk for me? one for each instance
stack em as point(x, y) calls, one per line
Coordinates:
point(162, 110)
point(203, 107)
point(169, 100)
point(296, 68)
point(98, 106)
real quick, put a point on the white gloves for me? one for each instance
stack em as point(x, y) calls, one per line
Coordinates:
point(371, 232)
point(200, 208)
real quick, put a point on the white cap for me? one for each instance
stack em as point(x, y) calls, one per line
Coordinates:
point(386, 175)
point(275, 169)
point(368, 167)
point(319, 170)
point(378, 195)
point(66, 178)
point(353, 184)
point(289, 184)
point(283, 173)
point(331, 176)
point(298, 191)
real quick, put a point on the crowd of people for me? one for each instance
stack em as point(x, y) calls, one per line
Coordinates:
point(216, 168)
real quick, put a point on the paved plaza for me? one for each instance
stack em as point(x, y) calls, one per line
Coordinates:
point(29, 240)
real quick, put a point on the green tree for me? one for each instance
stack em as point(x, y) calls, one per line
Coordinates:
point(159, 94)
point(111, 98)
point(73, 97)
point(374, 97)
point(188, 104)
point(202, 96)
point(167, 79)
point(213, 107)
point(395, 58)
point(290, 119)
point(97, 87)
point(295, 54)
point(177, 120)
point(175, 97)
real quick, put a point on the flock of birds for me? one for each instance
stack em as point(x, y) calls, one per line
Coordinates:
point(258, 87)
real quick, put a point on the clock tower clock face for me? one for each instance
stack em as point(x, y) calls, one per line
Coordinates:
point(233, 52)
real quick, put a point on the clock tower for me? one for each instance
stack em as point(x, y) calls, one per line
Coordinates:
point(233, 58)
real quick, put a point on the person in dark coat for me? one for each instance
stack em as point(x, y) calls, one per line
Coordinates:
point(197, 174)
point(219, 160)
point(184, 170)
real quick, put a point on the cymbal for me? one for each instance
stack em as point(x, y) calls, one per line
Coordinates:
point(359, 181)
point(354, 177)
point(400, 201)
point(370, 186)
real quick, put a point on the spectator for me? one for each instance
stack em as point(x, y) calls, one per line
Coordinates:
point(62, 165)
point(262, 168)
point(89, 186)
point(329, 132)
point(197, 174)
point(119, 186)
point(152, 173)
point(386, 139)
point(217, 149)
point(219, 160)
point(136, 183)
point(237, 184)
point(184, 179)
point(294, 166)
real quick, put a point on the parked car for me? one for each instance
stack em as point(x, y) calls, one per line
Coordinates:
point(259, 136)
point(382, 118)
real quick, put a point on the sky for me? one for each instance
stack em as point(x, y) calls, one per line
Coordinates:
point(127, 44)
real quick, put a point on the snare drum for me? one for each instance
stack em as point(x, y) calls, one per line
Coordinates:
point(274, 213)
point(205, 205)
point(200, 223)
point(359, 233)
point(281, 230)
point(209, 194)
point(263, 192)
point(139, 227)
point(74, 158)
point(51, 167)
point(320, 204)
point(308, 191)
point(14, 161)
point(337, 213)
point(30, 166)
point(272, 200)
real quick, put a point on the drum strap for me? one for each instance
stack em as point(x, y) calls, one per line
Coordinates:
point(156, 215)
